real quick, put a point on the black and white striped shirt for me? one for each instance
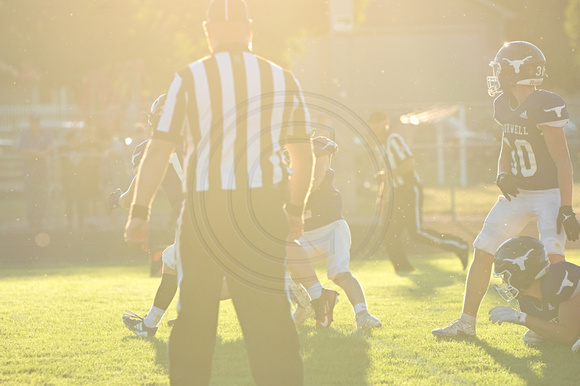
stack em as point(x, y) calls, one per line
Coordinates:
point(397, 152)
point(234, 111)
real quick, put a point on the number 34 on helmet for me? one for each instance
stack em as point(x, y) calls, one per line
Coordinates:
point(516, 63)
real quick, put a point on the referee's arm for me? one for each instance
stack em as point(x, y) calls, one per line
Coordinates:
point(302, 160)
point(149, 176)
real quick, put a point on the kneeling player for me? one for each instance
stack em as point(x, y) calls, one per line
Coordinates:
point(548, 294)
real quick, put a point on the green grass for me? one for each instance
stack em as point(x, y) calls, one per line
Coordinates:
point(61, 324)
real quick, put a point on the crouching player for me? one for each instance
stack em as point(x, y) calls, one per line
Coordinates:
point(548, 294)
point(326, 235)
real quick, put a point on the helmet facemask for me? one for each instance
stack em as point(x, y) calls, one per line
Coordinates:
point(507, 291)
point(493, 85)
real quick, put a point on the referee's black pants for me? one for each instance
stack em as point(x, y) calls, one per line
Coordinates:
point(408, 214)
point(242, 236)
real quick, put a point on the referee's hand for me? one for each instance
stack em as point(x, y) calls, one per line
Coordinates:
point(296, 224)
point(137, 233)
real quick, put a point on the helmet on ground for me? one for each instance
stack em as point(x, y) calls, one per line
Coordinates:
point(518, 262)
point(516, 63)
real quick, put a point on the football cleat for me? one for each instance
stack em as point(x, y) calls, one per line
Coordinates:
point(532, 339)
point(456, 329)
point(171, 322)
point(366, 321)
point(576, 347)
point(323, 307)
point(136, 325)
point(302, 314)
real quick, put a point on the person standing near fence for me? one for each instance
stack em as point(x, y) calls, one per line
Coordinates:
point(234, 112)
point(534, 172)
point(35, 146)
point(408, 201)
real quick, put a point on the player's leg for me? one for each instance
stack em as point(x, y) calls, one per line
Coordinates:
point(147, 326)
point(313, 247)
point(546, 207)
point(338, 264)
point(505, 220)
point(163, 297)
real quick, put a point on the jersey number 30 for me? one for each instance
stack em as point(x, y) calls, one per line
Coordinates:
point(523, 155)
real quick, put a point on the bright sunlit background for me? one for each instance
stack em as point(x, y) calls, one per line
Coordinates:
point(93, 67)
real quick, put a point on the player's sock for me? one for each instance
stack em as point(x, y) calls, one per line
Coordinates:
point(467, 318)
point(315, 291)
point(153, 317)
point(360, 307)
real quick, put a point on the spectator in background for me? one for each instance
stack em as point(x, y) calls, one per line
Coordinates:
point(35, 147)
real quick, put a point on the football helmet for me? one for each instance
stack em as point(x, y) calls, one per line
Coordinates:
point(156, 110)
point(518, 262)
point(516, 63)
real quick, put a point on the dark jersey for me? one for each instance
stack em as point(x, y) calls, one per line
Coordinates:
point(324, 205)
point(172, 183)
point(561, 283)
point(531, 162)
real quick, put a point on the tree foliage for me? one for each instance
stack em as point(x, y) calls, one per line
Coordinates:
point(65, 40)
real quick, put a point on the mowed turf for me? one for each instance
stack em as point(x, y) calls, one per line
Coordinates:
point(61, 324)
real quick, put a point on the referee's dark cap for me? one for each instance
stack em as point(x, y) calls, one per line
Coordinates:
point(227, 11)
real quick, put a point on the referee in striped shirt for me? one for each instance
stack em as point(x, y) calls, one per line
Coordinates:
point(233, 112)
point(408, 201)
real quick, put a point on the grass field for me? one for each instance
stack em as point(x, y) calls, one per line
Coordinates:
point(61, 324)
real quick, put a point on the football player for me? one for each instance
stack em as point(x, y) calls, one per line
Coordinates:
point(534, 172)
point(548, 294)
point(326, 235)
point(172, 184)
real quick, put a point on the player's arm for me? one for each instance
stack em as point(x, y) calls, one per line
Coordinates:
point(567, 330)
point(149, 176)
point(558, 148)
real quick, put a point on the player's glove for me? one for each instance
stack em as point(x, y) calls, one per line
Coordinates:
point(114, 199)
point(508, 315)
point(567, 217)
point(507, 184)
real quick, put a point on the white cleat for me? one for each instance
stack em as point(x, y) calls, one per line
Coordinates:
point(456, 329)
point(366, 321)
point(532, 339)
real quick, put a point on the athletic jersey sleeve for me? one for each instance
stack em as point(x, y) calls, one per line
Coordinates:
point(561, 283)
point(553, 110)
point(173, 119)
